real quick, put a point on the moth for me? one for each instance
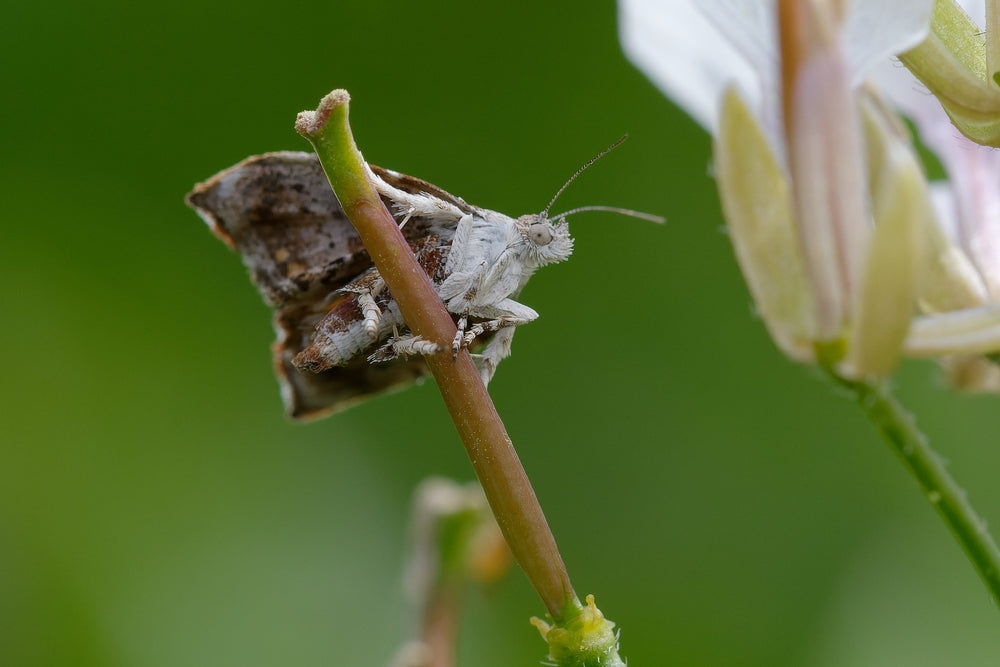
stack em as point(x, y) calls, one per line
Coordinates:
point(340, 336)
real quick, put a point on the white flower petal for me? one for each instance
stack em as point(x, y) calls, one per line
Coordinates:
point(946, 208)
point(757, 204)
point(878, 29)
point(975, 181)
point(949, 280)
point(825, 158)
point(971, 212)
point(976, 9)
point(751, 27)
point(969, 331)
point(888, 291)
point(673, 43)
point(694, 50)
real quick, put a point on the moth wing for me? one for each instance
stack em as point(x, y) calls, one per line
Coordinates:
point(308, 395)
point(278, 211)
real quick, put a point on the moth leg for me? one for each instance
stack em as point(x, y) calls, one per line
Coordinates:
point(459, 292)
point(505, 314)
point(367, 288)
point(411, 344)
point(490, 326)
point(458, 342)
point(503, 319)
point(405, 345)
point(409, 211)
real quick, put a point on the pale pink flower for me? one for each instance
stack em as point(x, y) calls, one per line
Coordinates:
point(822, 198)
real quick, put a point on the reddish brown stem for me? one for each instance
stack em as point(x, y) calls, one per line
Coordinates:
point(489, 447)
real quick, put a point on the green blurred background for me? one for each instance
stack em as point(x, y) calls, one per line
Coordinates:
point(726, 506)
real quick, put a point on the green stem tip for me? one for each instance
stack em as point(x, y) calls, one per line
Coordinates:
point(582, 638)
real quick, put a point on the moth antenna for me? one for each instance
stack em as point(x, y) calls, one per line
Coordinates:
point(614, 209)
point(545, 211)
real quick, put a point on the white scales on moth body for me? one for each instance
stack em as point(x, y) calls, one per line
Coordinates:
point(490, 260)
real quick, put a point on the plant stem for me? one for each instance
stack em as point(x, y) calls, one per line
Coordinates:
point(902, 435)
point(500, 473)
point(440, 625)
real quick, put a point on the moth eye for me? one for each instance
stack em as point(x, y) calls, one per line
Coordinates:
point(540, 234)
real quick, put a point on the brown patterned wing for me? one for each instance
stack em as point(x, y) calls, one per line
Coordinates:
point(308, 395)
point(280, 214)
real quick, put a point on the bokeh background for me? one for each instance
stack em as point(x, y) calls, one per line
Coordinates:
point(156, 509)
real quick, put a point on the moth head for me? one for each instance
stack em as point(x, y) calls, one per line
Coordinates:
point(547, 241)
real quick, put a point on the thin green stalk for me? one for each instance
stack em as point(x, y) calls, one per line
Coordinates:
point(900, 432)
